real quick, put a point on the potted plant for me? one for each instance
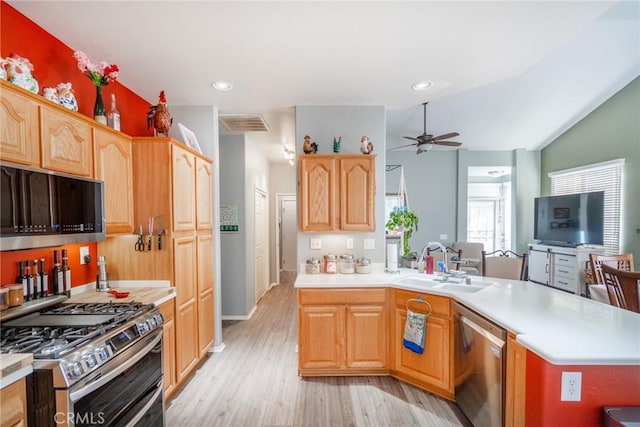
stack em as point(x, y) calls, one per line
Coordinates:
point(404, 221)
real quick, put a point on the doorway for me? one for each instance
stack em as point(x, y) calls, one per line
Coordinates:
point(287, 239)
point(261, 244)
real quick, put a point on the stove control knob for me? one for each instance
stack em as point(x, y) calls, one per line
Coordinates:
point(90, 360)
point(73, 369)
point(103, 352)
point(143, 327)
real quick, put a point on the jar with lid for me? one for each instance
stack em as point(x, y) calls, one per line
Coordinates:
point(16, 295)
point(363, 265)
point(330, 264)
point(4, 298)
point(346, 264)
point(313, 266)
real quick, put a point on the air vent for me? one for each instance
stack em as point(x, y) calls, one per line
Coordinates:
point(244, 123)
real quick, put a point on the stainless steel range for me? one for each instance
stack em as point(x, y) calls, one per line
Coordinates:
point(94, 364)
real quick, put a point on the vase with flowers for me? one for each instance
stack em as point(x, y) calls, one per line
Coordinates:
point(100, 74)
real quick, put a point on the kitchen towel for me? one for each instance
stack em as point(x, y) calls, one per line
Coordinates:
point(415, 329)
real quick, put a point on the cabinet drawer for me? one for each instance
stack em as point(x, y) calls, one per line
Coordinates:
point(564, 271)
point(342, 296)
point(439, 305)
point(563, 259)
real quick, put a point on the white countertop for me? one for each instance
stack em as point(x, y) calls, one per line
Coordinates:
point(562, 328)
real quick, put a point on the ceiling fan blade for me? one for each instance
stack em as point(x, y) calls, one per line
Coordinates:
point(411, 138)
point(445, 136)
point(449, 143)
point(402, 146)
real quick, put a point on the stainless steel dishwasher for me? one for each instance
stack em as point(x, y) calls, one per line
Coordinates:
point(479, 368)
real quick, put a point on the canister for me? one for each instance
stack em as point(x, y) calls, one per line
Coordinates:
point(345, 266)
point(313, 266)
point(330, 264)
point(363, 265)
point(4, 298)
point(16, 295)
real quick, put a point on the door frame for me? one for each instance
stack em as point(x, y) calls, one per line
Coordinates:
point(264, 194)
point(278, 228)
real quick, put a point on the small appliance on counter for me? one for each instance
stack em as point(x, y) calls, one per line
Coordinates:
point(102, 283)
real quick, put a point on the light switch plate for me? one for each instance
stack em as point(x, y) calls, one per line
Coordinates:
point(369, 243)
point(315, 243)
point(349, 243)
point(443, 237)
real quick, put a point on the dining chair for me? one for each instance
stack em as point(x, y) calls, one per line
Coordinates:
point(472, 260)
point(622, 262)
point(504, 265)
point(622, 287)
point(453, 257)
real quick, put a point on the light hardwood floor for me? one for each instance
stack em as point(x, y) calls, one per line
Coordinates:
point(254, 382)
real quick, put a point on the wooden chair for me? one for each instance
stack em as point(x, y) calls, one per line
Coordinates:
point(622, 287)
point(504, 265)
point(622, 262)
point(453, 257)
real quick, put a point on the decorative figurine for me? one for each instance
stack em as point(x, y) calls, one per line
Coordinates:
point(309, 147)
point(3, 72)
point(366, 147)
point(159, 117)
point(19, 70)
point(66, 97)
point(51, 93)
point(336, 144)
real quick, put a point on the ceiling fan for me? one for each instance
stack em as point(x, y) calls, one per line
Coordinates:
point(425, 142)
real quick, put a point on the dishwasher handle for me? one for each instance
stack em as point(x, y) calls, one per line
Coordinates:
point(483, 332)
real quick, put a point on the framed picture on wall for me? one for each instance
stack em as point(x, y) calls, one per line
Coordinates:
point(189, 138)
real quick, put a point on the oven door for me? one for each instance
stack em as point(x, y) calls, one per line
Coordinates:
point(128, 391)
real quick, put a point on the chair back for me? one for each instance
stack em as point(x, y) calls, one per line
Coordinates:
point(472, 260)
point(504, 265)
point(622, 262)
point(622, 287)
point(453, 257)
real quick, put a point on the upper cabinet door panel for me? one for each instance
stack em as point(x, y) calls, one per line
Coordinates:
point(204, 196)
point(357, 193)
point(19, 132)
point(184, 184)
point(317, 193)
point(66, 143)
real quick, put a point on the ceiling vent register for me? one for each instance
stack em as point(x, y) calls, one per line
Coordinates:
point(244, 123)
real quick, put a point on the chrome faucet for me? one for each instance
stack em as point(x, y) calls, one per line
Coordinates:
point(444, 254)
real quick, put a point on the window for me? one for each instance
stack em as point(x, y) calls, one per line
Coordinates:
point(607, 177)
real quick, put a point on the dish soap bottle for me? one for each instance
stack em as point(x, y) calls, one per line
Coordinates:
point(113, 120)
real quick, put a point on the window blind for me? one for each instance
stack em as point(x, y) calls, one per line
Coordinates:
point(607, 177)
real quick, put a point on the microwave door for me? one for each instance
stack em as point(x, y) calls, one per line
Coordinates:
point(10, 206)
point(37, 190)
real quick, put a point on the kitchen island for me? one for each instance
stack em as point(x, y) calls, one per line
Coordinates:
point(550, 332)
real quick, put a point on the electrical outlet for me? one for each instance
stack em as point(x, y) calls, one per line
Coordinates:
point(84, 252)
point(571, 388)
point(443, 237)
point(369, 244)
point(349, 243)
point(315, 243)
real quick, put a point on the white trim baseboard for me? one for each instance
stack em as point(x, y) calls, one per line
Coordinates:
point(245, 317)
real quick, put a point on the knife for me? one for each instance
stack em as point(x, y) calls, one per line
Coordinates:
point(150, 233)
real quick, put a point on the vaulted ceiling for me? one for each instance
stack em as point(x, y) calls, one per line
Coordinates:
point(505, 75)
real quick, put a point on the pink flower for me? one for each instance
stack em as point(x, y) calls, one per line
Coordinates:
point(101, 74)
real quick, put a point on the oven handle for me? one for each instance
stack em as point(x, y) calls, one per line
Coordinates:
point(79, 394)
point(144, 410)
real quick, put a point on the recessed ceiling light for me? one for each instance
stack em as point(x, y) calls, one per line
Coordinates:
point(421, 85)
point(222, 85)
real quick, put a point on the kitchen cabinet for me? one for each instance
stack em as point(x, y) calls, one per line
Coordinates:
point(204, 194)
point(205, 294)
point(113, 165)
point(183, 183)
point(13, 404)
point(515, 382)
point(342, 331)
point(19, 125)
point(433, 369)
point(336, 192)
point(168, 348)
point(67, 142)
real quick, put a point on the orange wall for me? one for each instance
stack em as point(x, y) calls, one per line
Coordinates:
point(54, 63)
point(601, 386)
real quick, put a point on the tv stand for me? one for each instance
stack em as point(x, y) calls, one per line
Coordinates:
point(560, 267)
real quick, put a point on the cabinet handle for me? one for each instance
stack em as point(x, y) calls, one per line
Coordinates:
point(546, 268)
point(563, 271)
point(562, 283)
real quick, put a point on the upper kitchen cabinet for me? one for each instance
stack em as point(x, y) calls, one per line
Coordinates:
point(19, 126)
point(113, 165)
point(337, 192)
point(66, 142)
point(204, 213)
point(183, 165)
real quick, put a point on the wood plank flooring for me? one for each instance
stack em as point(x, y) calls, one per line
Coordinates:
point(254, 382)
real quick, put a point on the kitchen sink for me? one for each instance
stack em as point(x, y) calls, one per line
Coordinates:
point(463, 287)
point(418, 281)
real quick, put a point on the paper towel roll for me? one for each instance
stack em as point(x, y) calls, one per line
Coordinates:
point(392, 257)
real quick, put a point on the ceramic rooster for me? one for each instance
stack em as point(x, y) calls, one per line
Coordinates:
point(159, 116)
point(366, 147)
point(309, 147)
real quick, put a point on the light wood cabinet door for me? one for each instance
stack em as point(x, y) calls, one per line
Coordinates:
point(183, 189)
point(317, 183)
point(515, 387)
point(320, 336)
point(205, 294)
point(19, 127)
point(186, 340)
point(357, 193)
point(67, 142)
point(185, 269)
point(168, 347)
point(13, 404)
point(204, 195)
point(366, 336)
point(113, 165)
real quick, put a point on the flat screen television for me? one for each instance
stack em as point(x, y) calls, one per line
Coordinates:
point(570, 220)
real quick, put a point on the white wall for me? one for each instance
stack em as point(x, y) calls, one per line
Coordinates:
point(282, 180)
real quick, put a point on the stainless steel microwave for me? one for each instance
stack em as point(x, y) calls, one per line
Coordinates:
point(41, 208)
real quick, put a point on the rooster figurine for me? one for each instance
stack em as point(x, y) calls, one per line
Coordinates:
point(159, 116)
point(366, 147)
point(309, 147)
